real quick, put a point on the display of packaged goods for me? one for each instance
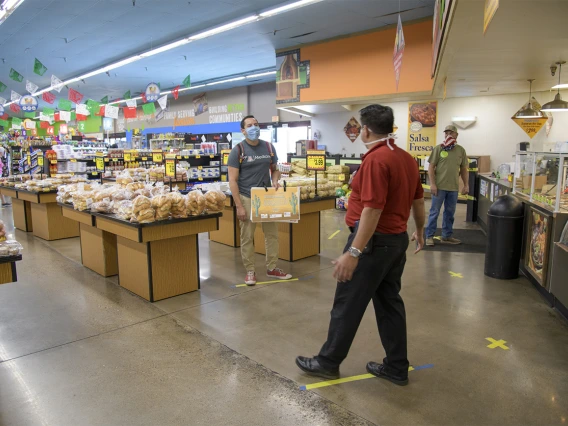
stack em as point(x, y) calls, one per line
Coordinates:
point(103, 206)
point(163, 205)
point(142, 210)
point(196, 203)
point(123, 209)
point(179, 205)
point(215, 201)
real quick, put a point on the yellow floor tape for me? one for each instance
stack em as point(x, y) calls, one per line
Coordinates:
point(334, 234)
point(268, 282)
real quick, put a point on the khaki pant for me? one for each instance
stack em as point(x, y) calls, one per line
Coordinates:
point(247, 240)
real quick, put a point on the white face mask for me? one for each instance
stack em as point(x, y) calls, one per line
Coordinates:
point(390, 136)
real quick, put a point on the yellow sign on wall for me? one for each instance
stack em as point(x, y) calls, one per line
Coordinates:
point(275, 206)
point(422, 127)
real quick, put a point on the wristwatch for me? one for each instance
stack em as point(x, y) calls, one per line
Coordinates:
point(354, 252)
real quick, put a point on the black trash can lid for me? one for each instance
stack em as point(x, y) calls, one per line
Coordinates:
point(506, 206)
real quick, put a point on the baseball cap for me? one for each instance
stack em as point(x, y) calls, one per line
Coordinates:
point(451, 128)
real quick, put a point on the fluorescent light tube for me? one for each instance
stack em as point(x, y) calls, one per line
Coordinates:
point(560, 86)
point(223, 28)
point(8, 4)
point(225, 81)
point(165, 48)
point(288, 7)
point(262, 74)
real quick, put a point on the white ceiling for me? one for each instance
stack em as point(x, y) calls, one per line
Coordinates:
point(523, 40)
point(72, 37)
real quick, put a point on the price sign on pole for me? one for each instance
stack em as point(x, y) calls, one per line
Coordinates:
point(157, 157)
point(29, 159)
point(225, 156)
point(171, 168)
point(40, 160)
point(100, 161)
point(315, 160)
point(127, 156)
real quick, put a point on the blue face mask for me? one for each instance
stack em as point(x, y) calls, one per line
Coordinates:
point(253, 133)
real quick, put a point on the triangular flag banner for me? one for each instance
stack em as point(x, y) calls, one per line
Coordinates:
point(44, 124)
point(127, 95)
point(15, 75)
point(73, 116)
point(29, 114)
point(64, 105)
point(48, 111)
point(93, 106)
point(129, 112)
point(65, 116)
point(111, 111)
point(44, 117)
point(82, 109)
point(2, 101)
point(15, 97)
point(56, 84)
point(149, 109)
point(104, 100)
point(3, 123)
point(101, 112)
point(131, 103)
point(81, 117)
point(163, 101)
point(16, 122)
point(187, 81)
point(31, 87)
point(143, 95)
point(75, 96)
point(14, 107)
point(175, 92)
point(2, 87)
point(57, 116)
point(48, 97)
point(39, 68)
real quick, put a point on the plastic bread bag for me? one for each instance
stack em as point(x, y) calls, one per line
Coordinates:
point(179, 207)
point(163, 205)
point(142, 210)
point(141, 203)
point(103, 206)
point(2, 231)
point(134, 186)
point(215, 201)
point(10, 248)
point(158, 189)
point(123, 209)
point(195, 202)
point(145, 191)
point(82, 200)
point(122, 194)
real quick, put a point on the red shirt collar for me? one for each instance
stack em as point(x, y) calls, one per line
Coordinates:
point(380, 145)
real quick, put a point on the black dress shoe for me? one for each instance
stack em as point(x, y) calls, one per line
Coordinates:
point(379, 370)
point(312, 367)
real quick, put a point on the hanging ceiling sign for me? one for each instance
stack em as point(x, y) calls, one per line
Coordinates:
point(152, 92)
point(441, 12)
point(398, 51)
point(531, 126)
point(28, 103)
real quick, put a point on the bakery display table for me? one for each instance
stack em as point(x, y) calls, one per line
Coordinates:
point(298, 240)
point(98, 248)
point(229, 232)
point(21, 210)
point(48, 221)
point(160, 259)
point(8, 272)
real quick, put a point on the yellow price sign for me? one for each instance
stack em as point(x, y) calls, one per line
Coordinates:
point(315, 160)
point(225, 156)
point(157, 157)
point(73, 160)
point(198, 156)
point(171, 156)
point(127, 156)
point(144, 158)
point(107, 160)
point(100, 163)
point(223, 178)
point(94, 173)
point(178, 157)
point(200, 179)
point(40, 160)
point(53, 161)
point(171, 168)
point(29, 159)
point(211, 156)
point(199, 167)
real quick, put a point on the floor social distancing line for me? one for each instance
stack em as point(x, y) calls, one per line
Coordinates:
point(309, 277)
point(356, 378)
point(334, 234)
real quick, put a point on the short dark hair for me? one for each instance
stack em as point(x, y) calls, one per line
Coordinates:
point(245, 119)
point(379, 119)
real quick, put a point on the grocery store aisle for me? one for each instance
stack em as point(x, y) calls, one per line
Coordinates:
point(75, 348)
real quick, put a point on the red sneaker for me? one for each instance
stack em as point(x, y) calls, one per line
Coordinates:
point(250, 279)
point(278, 274)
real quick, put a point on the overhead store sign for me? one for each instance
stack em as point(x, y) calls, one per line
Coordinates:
point(152, 92)
point(531, 126)
point(398, 51)
point(422, 121)
point(491, 7)
point(441, 11)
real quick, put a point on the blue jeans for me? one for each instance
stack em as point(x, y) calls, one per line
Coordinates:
point(450, 201)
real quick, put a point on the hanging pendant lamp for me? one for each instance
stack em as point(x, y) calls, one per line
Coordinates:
point(529, 111)
point(557, 105)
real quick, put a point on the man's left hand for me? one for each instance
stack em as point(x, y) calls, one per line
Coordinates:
point(465, 190)
point(344, 267)
point(275, 185)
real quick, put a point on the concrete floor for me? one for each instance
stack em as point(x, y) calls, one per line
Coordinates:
point(76, 349)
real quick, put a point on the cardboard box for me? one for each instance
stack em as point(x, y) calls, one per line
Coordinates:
point(539, 182)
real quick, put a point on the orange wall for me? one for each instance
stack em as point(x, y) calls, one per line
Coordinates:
point(362, 65)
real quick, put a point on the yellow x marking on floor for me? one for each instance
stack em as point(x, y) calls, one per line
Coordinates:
point(496, 344)
point(455, 274)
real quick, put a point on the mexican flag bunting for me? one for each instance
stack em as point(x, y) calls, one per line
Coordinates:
point(31, 87)
point(129, 112)
point(187, 81)
point(131, 103)
point(149, 109)
point(101, 112)
point(39, 68)
point(29, 114)
point(163, 101)
point(104, 100)
point(15, 97)
point(48, 97)
point(127, 95)
point(74, 96)
point(2, 87)
point(48, 111)
point(56, 84)
point(175, 92)
point(93, 106)
point(64, 105)
point(44, 124)
point(14, 107)
point(143, 95)
point(2, 101)
point(15, 75)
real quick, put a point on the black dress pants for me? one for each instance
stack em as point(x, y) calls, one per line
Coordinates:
point(378, 278)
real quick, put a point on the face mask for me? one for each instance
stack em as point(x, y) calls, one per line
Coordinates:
point(390, 136)
point(253, 133)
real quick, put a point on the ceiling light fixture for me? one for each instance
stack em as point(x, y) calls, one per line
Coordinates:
point(560, 86)
point(8, 7)
point(297, 111)
point(223, 28)
point(557, 105)
point(529, 111)
point(225, 81)
point(288, 7)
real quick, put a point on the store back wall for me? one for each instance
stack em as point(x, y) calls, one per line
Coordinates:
point(493, 134)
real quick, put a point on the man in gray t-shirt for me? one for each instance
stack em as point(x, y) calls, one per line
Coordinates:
point(252, 163)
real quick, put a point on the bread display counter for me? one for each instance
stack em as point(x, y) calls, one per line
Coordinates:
point(21, 210)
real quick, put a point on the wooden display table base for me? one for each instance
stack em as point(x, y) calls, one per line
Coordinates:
point(98, 248)
point(48, 221)
point(229, 232)
point(160, 259)
point(8, 272)
point(298, 240)
point(22, 214)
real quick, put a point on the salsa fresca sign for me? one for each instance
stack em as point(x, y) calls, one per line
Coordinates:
point(422, 120)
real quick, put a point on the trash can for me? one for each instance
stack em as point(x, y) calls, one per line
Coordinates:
point(504, 238)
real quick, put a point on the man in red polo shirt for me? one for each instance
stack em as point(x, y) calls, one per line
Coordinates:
point(385, 189)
